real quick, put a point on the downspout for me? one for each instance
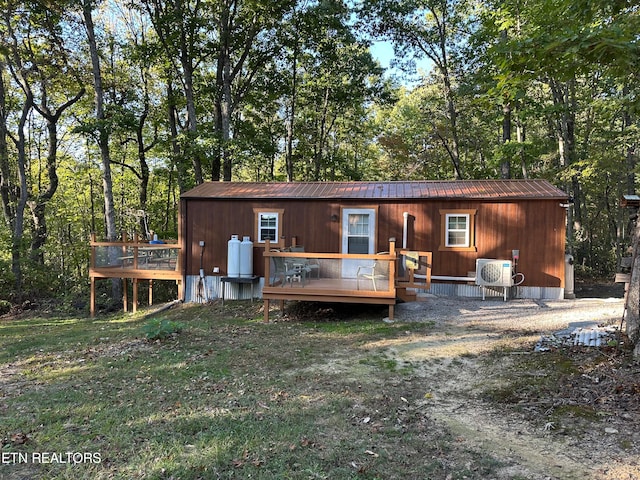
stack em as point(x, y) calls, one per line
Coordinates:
point(202, 282)
point(405, 228)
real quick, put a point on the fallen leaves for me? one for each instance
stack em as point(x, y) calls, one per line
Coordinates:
point(247, 459)
point(18, 438)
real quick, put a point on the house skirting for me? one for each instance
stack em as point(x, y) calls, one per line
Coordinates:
point(475, 291)
point(211, 289)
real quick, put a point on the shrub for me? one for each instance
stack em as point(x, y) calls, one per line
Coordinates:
point(158, 329)
point(5, 307)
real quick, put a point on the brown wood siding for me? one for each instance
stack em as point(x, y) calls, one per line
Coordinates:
point(214, 221)
point(535, 227)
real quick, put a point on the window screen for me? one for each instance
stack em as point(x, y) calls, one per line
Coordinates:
point(268, 226)
point(457, 230)
point(358, 236)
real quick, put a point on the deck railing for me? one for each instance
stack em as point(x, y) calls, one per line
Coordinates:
point(330, 277)
point(134, 260)
point(117, 259)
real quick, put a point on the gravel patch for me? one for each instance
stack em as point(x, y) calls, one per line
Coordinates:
point(452, 367)
point(518, 314)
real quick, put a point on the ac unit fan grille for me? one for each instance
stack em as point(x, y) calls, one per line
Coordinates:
point(491, 272)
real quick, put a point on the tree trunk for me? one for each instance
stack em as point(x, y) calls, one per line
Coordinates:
point(321, 136)
point(192, 123)
point(292, 109)
point(21, 193)
point(439, 55)
point(521, 137)
point(631, 158)
point(224, 81)
point(505, 167)
point(174, 23)
point(142, 159)
point(564, 98)
point(175, 147)
point(633, 294)
point(226, 119)
point(454, 151)
point(103, 139)
point(38, 205)
point(103, 135)
point(7, 193)
point(18, 228)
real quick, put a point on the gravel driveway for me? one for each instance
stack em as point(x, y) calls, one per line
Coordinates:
point(451, 364)
point(527, 315)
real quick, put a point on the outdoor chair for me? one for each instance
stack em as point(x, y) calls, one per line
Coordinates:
point(378, 270)
point(288, 271)
point(311, 264)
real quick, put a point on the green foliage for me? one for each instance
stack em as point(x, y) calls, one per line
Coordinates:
point(565, 71)
point(6, 277)
point(161, 328)
point(5, 307)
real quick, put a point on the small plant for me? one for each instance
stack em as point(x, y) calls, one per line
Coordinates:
point(5, 307)
point(158, 329)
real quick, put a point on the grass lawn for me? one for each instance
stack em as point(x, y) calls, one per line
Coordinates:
point(227, 397)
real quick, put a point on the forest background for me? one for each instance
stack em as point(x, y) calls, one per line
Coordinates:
point(110, 109)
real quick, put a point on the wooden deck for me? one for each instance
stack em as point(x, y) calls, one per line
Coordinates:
point(360, 289)
point(330, 290)
point(136, 261)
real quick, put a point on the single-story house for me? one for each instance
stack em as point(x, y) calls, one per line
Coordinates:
point(518, 221)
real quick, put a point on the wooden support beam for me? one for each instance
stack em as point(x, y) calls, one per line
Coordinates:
point(130, 267)
point(134, 300)
point(92, 301)
point(125, 295)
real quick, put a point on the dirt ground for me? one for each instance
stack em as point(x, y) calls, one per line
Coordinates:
point(587, 426)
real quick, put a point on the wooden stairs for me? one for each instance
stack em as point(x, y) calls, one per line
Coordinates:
point(417, 266)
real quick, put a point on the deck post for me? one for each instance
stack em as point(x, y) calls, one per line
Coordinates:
point(134, 300)
point(135, 252)
point(267, 276)
point(128, 266)
point(124, 251)
point(392, 274)
point(92, 264)
point(92, 301)
point(180, 290)
point(266, 311)
point(267, 261)
point(125, 295)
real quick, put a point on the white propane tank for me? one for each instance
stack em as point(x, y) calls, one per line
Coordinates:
point(246, 257)
point(233, 257)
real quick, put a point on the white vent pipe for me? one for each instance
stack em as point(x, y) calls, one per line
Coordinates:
point(405, 229)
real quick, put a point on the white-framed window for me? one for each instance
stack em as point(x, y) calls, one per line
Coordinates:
point(457, 229)
point(358, 233)
point(268, 225)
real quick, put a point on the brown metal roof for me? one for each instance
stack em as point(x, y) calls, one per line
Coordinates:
point(453, 189)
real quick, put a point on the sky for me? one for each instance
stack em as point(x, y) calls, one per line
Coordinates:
point(383, 52)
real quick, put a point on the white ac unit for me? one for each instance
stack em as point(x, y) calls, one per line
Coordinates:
point(493, 273)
